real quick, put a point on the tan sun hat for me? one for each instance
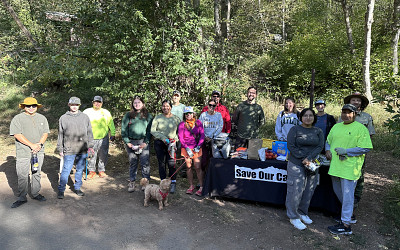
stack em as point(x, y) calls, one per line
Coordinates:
point(29, 101)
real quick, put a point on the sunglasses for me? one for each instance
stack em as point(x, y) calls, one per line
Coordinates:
point(210, 105)
point(189, 113)
point(31, 106)
point(216, 96)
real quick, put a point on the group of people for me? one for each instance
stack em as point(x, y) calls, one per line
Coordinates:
point(84, 137)
point(345, 144)
point(179, 132)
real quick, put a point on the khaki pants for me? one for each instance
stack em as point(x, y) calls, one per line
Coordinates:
point(23, 167)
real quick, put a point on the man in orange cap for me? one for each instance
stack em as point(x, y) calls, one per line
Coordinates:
point(30, 130)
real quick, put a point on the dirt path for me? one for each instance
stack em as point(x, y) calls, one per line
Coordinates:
point(109, 217)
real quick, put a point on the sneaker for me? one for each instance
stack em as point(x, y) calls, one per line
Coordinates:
point(306, 219)
point(298, 224)
point(60, 195)
point(79, 192)
point(39, 197)
point(92, 175)
point(190, 190)
point(18, 203)
point(340, 229)
point(102, 174)
point(131, 187)
point(199, 192)
point(338, 219)
point(173, 187)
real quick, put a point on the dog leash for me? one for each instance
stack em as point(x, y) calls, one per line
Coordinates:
point(177, 169)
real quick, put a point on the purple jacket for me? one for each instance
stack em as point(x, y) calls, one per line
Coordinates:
point(187, 139)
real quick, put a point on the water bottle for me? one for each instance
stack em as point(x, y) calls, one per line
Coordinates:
point(34, 163)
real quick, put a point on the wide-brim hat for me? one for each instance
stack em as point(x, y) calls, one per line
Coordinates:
point(364, 100)
point(29, 101)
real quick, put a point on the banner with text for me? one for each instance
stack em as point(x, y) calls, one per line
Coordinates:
point(271, 174)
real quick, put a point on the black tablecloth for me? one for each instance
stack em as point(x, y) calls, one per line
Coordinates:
point(220, 181)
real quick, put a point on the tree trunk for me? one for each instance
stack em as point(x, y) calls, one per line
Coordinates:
point(283, 21)
point(369, 18)
point(21, 26)
point(349, 31)
point(222, 12)
point(396, 35)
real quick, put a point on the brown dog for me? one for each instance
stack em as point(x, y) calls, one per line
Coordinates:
point(159, 193)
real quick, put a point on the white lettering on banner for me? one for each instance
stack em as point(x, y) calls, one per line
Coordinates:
point(271, 174)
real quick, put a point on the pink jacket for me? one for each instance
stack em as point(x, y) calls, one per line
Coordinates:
point(187, 139)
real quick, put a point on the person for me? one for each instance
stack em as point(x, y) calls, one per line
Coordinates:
point(248, 117)
point(346, 146)
point(216, 96)
point(212, 123)
point(324, 121)
point(102, 125)
point(30, 130)
point(304, 142)
point(286, 119)
point(191, 136)
point(75, 142)
point(177, 107)
point(135, 132)
point(361, 103)
point(164, 128)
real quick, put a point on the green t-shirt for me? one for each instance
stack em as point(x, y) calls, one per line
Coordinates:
point(32, 127)
point(178, 110)
point(165, 128)
point(348, 136)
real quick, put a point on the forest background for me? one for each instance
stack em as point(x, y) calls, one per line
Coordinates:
point(54, 49)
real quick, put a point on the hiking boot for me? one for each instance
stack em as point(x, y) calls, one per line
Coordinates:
point(298, 224)
point(306, 219)
point(60, 195)
point(18, 203)
point(340, 229)
point(91, 175)
point(39, 197)
point(102, 174)
point(173, 187)
point(131, 187)
point(79, 192)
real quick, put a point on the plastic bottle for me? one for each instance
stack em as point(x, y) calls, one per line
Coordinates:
point(34, 163)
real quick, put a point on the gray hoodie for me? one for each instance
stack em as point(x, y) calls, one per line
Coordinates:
point(74, 134)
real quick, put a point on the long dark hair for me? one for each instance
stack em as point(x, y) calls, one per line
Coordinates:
point(143, 112)
point(294, 107)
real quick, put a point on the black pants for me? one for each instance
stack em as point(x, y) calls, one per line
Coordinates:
point(164, 159)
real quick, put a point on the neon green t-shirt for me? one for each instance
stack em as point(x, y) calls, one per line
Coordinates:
point(101, 121)
point(348, 136)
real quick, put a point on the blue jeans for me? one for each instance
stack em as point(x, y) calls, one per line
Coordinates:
point(67, 167)
point(344, 190)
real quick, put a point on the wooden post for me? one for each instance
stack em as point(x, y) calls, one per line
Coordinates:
point(312, 88)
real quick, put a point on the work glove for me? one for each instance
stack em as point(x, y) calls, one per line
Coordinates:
point(167, 141)
point(197, 149)
point(341, 151)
